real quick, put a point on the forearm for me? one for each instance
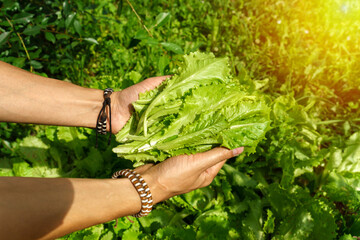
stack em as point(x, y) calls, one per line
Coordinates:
point(33, 208)
point(29, 98)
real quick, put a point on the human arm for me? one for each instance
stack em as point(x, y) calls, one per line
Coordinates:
point(40, 208)
point(30, 98)
point(54, 207)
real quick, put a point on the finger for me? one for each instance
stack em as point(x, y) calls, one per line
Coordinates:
point(211, 172)
point(214, 156)
point(153, 82)
point(131, 94)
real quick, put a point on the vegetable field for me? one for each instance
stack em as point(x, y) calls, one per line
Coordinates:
point(302, 57)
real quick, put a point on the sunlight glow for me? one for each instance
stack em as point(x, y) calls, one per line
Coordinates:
point(345, 8)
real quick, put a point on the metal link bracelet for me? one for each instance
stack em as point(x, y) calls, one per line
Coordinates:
point(141, 187)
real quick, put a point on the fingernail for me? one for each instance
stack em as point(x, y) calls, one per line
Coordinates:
point(237, 151)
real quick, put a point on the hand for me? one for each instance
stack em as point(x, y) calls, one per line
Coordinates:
point(176, 175)
point(184, 173)
point(62, 103)
point(121, 101)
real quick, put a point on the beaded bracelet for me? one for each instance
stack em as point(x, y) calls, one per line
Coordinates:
point(141, 187)
point(102, 117)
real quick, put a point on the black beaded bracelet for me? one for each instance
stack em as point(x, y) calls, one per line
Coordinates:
point(101, 121)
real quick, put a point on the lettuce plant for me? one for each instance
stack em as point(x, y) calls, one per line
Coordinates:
point(197, 109)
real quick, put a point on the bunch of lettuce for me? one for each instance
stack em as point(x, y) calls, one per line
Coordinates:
point(199, 108)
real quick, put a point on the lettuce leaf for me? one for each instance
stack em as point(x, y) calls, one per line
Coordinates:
point(199, 108)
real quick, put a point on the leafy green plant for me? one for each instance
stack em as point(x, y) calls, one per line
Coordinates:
point(197, 109)
point(31, 30)
point(303, 180)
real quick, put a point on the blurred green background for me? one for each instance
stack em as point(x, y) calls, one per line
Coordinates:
point(303, 182)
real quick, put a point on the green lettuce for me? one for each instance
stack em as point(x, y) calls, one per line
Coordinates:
point(197, 109)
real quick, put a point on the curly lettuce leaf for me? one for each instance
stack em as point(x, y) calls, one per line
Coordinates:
point(199, 108)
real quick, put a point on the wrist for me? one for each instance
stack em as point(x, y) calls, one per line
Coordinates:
point(160, 192)
point(115, 108)
point(92, 103)
point(124, 189)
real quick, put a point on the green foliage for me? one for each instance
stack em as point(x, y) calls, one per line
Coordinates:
point(197, 109)
point(303, 180)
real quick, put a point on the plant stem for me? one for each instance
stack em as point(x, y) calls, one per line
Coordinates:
point(329, 122)
point(139, 18)
point(22, 42)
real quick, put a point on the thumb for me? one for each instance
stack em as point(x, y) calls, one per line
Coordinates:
point(151, 83)
point(212, 157)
